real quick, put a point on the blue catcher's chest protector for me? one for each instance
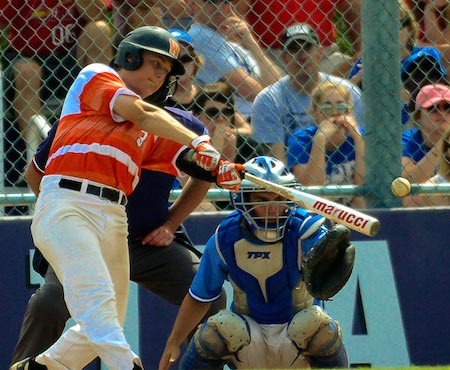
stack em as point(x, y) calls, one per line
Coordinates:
point(267, 273)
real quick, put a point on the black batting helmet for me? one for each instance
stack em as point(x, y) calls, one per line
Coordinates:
point(150, 38)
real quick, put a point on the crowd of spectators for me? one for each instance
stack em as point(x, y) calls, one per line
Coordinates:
point(271, 76)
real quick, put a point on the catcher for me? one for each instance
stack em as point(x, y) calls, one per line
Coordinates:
point(281, 261)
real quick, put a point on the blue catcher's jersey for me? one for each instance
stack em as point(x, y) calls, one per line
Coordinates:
point(266, 278)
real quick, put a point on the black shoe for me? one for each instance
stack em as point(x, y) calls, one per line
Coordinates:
point(28, 364)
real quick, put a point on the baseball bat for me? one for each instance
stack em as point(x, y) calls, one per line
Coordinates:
point(336, 212)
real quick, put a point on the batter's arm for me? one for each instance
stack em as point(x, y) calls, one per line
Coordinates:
point(152, 119)
point(189, 315)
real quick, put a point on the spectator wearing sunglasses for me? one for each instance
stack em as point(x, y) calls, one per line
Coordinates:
point(421, 152)
point(214, 106)
point(186, 90)
point(332, 151)
point(284, 107)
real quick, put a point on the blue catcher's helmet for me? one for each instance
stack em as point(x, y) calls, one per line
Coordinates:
point(264, 228)
point(149, 38)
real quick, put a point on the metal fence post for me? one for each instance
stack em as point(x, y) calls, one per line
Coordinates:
point(381, 97)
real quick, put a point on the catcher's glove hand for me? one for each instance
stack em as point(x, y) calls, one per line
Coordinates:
point(328, 265)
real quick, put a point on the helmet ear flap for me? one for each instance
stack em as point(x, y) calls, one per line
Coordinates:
point(165, 91)
point(128, 57)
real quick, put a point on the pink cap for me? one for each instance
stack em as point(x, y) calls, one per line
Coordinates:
point(432, 94)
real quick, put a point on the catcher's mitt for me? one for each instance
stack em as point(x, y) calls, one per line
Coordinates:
point(328, 265)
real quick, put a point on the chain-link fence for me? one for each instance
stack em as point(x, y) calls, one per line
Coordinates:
point(329, 87)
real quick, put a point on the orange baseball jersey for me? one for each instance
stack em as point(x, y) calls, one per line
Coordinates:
point(91, 141)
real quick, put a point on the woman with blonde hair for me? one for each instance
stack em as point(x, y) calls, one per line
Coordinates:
point(332, 151)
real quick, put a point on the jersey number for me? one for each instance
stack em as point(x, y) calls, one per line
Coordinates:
point(140, 140)
point(62, 35)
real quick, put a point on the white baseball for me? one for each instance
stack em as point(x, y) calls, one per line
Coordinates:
point(401, 187)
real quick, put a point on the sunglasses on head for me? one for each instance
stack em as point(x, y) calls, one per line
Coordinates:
point(329, 108)
point(186, 58)
point(213, 113)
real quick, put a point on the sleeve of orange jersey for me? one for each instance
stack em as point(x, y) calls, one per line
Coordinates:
point(99, 91)
point(163, 157)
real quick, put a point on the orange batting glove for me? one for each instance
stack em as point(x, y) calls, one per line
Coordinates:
point(228, 175)
point(205, 156)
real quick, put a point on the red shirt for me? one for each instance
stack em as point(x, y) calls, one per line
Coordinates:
point(41, 26)
point(269, 18)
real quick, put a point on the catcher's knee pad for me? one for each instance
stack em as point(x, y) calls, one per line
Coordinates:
point(314, 332)
point(222, 334)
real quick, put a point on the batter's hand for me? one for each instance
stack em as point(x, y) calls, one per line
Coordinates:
point(206, 156)
point(160, 237)
point(228, 175)
point(169, 356)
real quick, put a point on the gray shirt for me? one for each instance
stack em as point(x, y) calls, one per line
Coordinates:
point(220, 57)
point(279, 110)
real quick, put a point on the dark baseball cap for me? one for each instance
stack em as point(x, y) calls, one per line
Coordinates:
point(423, 60)
point(301, 32)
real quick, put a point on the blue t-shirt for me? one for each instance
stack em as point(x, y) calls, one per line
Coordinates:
point(413, 145)
point(340, 162)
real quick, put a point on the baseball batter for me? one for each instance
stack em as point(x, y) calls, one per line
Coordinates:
point(162, 259)
point(264, 251)
point(80, 224)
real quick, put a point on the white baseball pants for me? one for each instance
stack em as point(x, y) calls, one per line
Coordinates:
point(84, 238)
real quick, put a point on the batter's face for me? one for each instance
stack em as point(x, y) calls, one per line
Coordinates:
point(150, 76)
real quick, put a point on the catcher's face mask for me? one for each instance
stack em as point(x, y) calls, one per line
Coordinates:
point(267, 214)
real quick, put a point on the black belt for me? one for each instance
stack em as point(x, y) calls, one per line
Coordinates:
point(102, 192)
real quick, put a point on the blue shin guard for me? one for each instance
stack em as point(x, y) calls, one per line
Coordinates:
point(338, 360)
point(192, 360)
